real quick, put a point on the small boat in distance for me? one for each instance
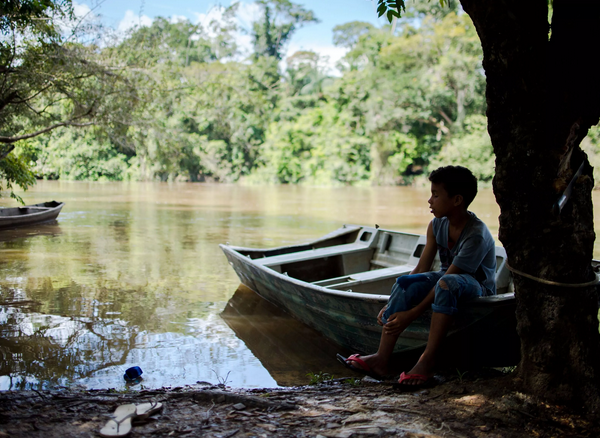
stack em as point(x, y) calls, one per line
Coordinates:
point(29, 214)
point(337, 284)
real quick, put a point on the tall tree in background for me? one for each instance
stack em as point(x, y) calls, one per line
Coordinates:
point(280, 19)
point(543, 96)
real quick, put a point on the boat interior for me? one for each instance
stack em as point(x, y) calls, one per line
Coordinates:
point(359, 259)
point(29, 209)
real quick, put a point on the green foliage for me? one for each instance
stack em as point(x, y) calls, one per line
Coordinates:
point(320, 377)
point(15, 170)
point(395, 8)
point(411, 94)
point(179, 107)
point(280, 19)
point(591, 146)
point(353, 381)
point(314, 147)
point(405, 150)
point(507, 370)
point(473, 149)
point(390, 8)
point(461, 375)
point(180, 43)
point(76, 155)
point(348, 35)
point(48, 81)
point(34, 16)
point(226, 136)
point(419, 9)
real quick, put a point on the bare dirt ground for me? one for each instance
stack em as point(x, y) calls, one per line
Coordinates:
point(480, 406)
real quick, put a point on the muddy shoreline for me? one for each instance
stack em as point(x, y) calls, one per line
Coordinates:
point(460, 407)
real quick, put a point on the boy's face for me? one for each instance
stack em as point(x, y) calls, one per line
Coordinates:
point(440, 203)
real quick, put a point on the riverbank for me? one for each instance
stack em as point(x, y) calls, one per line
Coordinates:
point(481, 406)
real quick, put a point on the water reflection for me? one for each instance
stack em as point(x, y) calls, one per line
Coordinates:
point(45, 350)
point(288, 349)
point(131, 274)
point(50, 228)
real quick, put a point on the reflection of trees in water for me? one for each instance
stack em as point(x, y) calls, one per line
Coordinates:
point(144, 265)
point(51, 336)
point(49, 350)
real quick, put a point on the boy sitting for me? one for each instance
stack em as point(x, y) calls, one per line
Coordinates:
point(468, 266)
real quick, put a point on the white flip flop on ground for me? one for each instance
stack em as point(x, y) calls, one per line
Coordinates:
point(120, 425)
point(144, 410)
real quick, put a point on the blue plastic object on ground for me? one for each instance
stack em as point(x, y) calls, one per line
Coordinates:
point(132, 373)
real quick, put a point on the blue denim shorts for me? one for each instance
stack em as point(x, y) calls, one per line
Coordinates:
point(410, 290)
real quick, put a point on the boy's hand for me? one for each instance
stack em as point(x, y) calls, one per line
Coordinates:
point(397, 323)
point(379, 321)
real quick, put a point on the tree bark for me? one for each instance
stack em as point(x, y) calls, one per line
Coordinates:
point(543, 95)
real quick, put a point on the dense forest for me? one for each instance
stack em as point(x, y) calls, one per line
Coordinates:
point(175, 101)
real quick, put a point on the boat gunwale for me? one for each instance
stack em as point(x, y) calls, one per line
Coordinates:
point(497, 299)
point(287, 278)
point(28, 215)
point(45, 211)
point(315, 241)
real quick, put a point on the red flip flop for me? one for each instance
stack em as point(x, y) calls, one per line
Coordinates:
point(427, 382)
point(366, 369)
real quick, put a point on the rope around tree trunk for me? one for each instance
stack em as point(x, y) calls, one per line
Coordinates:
point(554, 283)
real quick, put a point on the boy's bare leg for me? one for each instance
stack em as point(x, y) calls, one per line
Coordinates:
point(440, 324)
point(378, 362)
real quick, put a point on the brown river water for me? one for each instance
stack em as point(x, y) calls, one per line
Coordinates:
point(131, 274)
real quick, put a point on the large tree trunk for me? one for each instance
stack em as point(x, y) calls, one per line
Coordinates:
point(543, 95)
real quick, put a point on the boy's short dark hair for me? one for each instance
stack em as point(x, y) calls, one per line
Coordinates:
point(457, 180)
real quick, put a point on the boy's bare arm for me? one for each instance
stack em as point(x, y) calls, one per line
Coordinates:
point(400, 320)
point(424, 264)
point(428, 254)
point(397, 322)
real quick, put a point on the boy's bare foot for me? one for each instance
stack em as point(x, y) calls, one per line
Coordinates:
point(420, 373)
point(370, 364)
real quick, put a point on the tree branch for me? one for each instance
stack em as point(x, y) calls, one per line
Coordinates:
point(445, 116)
point(28, 98)
point(8, 100)
point(9, 140)
point(4, 154)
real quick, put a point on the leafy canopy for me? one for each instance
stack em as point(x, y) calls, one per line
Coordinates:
point(395, 8)
point(49, 81)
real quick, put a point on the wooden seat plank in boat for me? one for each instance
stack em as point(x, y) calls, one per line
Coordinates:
point(361, 277)
point(311, 254)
